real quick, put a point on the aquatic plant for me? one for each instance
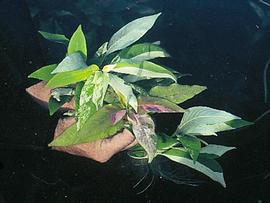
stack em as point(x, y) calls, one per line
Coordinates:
point(121, 89)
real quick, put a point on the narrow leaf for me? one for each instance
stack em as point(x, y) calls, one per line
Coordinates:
point(78, 42)
point(144, 130)
point(43, 73)
point(54, 37)
point(177, 93)
point(217, 150)
point(123, 91)
point(131, 32)
point(74, 61)
point(144, 70)
point(71, 77)
point(97, 127)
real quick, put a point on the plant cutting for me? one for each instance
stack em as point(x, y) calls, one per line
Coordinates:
point(109, 100)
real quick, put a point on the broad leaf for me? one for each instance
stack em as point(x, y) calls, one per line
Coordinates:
point(177, 93)
point(54, 104)
point(214, 151)
point(192, 145)
point(131, 32)
point(158, 105)
point(98, 126)
point(205, 121)
point(92, 96)
point(74, 61)
point(143, 128)
point(43, 73)
point(71, 77)
point(123, 91)
point(141, 52)
point(54, 37)
point(78, 43)
point(209, 167)
point(144, 70)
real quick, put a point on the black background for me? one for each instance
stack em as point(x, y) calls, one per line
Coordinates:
point(212, 39)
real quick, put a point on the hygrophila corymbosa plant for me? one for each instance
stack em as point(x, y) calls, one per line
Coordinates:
point(121, 88)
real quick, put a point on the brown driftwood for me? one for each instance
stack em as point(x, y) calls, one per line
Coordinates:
point(100, 150)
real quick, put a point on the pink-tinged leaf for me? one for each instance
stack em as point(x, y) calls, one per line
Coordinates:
point(143, 128)
point(117, 116)
point(158, 105)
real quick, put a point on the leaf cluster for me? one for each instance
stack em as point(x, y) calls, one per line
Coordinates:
point(122, 87)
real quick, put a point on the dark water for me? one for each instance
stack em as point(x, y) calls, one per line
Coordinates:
point(224, 44)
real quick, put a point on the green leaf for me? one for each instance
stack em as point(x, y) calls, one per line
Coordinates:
point(54, 105)
point(204, 121)
point(143, 128)
point(43, 73)
point(74, 61)
point(177, 93)
point(137, 152)
point(99, 126)
point(54, 37)
point(124, 92)
point(131, 32)
point(165, 142)
point(102, 49)
point(77, 95)
point(158, 105)
point(141, 52)
point(78, 42)
point(209, 167)
point(214, 151)
point(92, 96)
point(71, 77)
point(192, 145)
point(61, 91)
point(145, 70)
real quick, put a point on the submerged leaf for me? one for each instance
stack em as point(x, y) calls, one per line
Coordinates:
point(74, 61)
point(54, 37)
point(98, 126)
point(131, 32)
point(177, 93)
point(71, 77)
point(144, 130)
point(78, 42)
point(205, 121)
point(143, 70)
point(43, 73)
point(123, 91)
point(209, 167)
